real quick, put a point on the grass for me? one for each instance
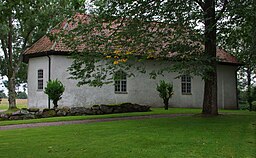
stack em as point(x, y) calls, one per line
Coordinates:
point(154, 111)
point(21, 103)
point(191, 136)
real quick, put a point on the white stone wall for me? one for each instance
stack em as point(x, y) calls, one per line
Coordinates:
point(141, 89)
point(227, 92)
point(37, 98)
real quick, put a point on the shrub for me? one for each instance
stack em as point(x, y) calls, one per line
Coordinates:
point(253, 106)
point(2, 94)
point(165, 92)
point(54, 90)
point(22, 95)
point(243, 106)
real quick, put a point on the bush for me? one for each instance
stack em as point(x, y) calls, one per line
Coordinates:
point(54, 90)
point(253, 106)
point(22, 95)
point(243, 106)
point(2, 94)
point(165, 92)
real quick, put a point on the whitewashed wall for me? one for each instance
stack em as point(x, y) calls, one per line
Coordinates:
point(37, 98)
point(141, 89)
point(227, 92)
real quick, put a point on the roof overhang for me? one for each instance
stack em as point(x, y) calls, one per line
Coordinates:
point(41, 54)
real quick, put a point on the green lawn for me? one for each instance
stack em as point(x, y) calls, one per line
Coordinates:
point(154, 111)
point(229, 135)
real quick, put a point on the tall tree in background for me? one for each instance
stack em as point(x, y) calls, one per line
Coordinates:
point(152, 29)
point(21, 23)
point(241, 41)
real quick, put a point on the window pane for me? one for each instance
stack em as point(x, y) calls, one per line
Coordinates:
point(183, 87)
point(183, 78)
point(188, 87)
point(117, 86)
point(40, 85)
point(186, 84)
point(123, 86)
point(40, 74)
point(120, 81)
point(188, 79)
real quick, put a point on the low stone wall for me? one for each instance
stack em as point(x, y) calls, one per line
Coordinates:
point(33, 113)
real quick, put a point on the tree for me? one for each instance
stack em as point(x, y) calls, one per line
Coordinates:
point(254, 93)
point(242, 24)
point(2, 94)
point(54, 90)
point(21, 23)
point(151, 29)
point(165, 92)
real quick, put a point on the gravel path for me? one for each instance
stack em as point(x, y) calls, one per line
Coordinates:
point(33, 125)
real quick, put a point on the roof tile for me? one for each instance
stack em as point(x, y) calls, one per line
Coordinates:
point(44, 45)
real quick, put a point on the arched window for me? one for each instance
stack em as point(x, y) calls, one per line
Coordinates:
point(120, 79)
point(185, 84)
point(40, 79)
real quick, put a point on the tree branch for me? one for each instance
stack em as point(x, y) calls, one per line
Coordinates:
point(26, 39)
point(200, 3)
point(4, 48)
point(222, 10)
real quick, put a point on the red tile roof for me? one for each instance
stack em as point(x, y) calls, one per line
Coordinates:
point(226, 57)
point(44, 45)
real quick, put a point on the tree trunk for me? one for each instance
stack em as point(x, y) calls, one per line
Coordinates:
point(12, 93)
point(11, 72)
point(210, 89)
point(55, 104)
point(166, 104)
point(249, 88)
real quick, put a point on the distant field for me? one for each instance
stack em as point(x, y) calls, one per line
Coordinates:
point(21, 103)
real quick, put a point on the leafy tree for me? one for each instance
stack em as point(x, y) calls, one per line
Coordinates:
point(241, 41)
point(2, 94)
point(254, 93)
point(22, 95)
point(21, 23)
point(123, 30)
point(54, 90)
point(165, 92)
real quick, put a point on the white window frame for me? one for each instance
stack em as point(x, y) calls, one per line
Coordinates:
point(40, 79)
point(186, 85)
point(120, 85)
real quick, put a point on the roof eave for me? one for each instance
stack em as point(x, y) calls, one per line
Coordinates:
point(46, 53)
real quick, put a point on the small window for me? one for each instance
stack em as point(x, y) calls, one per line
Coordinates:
point(120, 82)
point(185, 84)
point(40, 79)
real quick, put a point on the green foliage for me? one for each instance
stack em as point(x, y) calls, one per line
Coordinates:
point(165, 92)
point(54, 90)
point(242, 24)
point(245, 99)
point(242, 96)
point(148, 39)
point(254, 93)
point(22, 22)
point(163, 29)
point(22, 95)
point(243, 106)
point(253, 108)
point(2, 94)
